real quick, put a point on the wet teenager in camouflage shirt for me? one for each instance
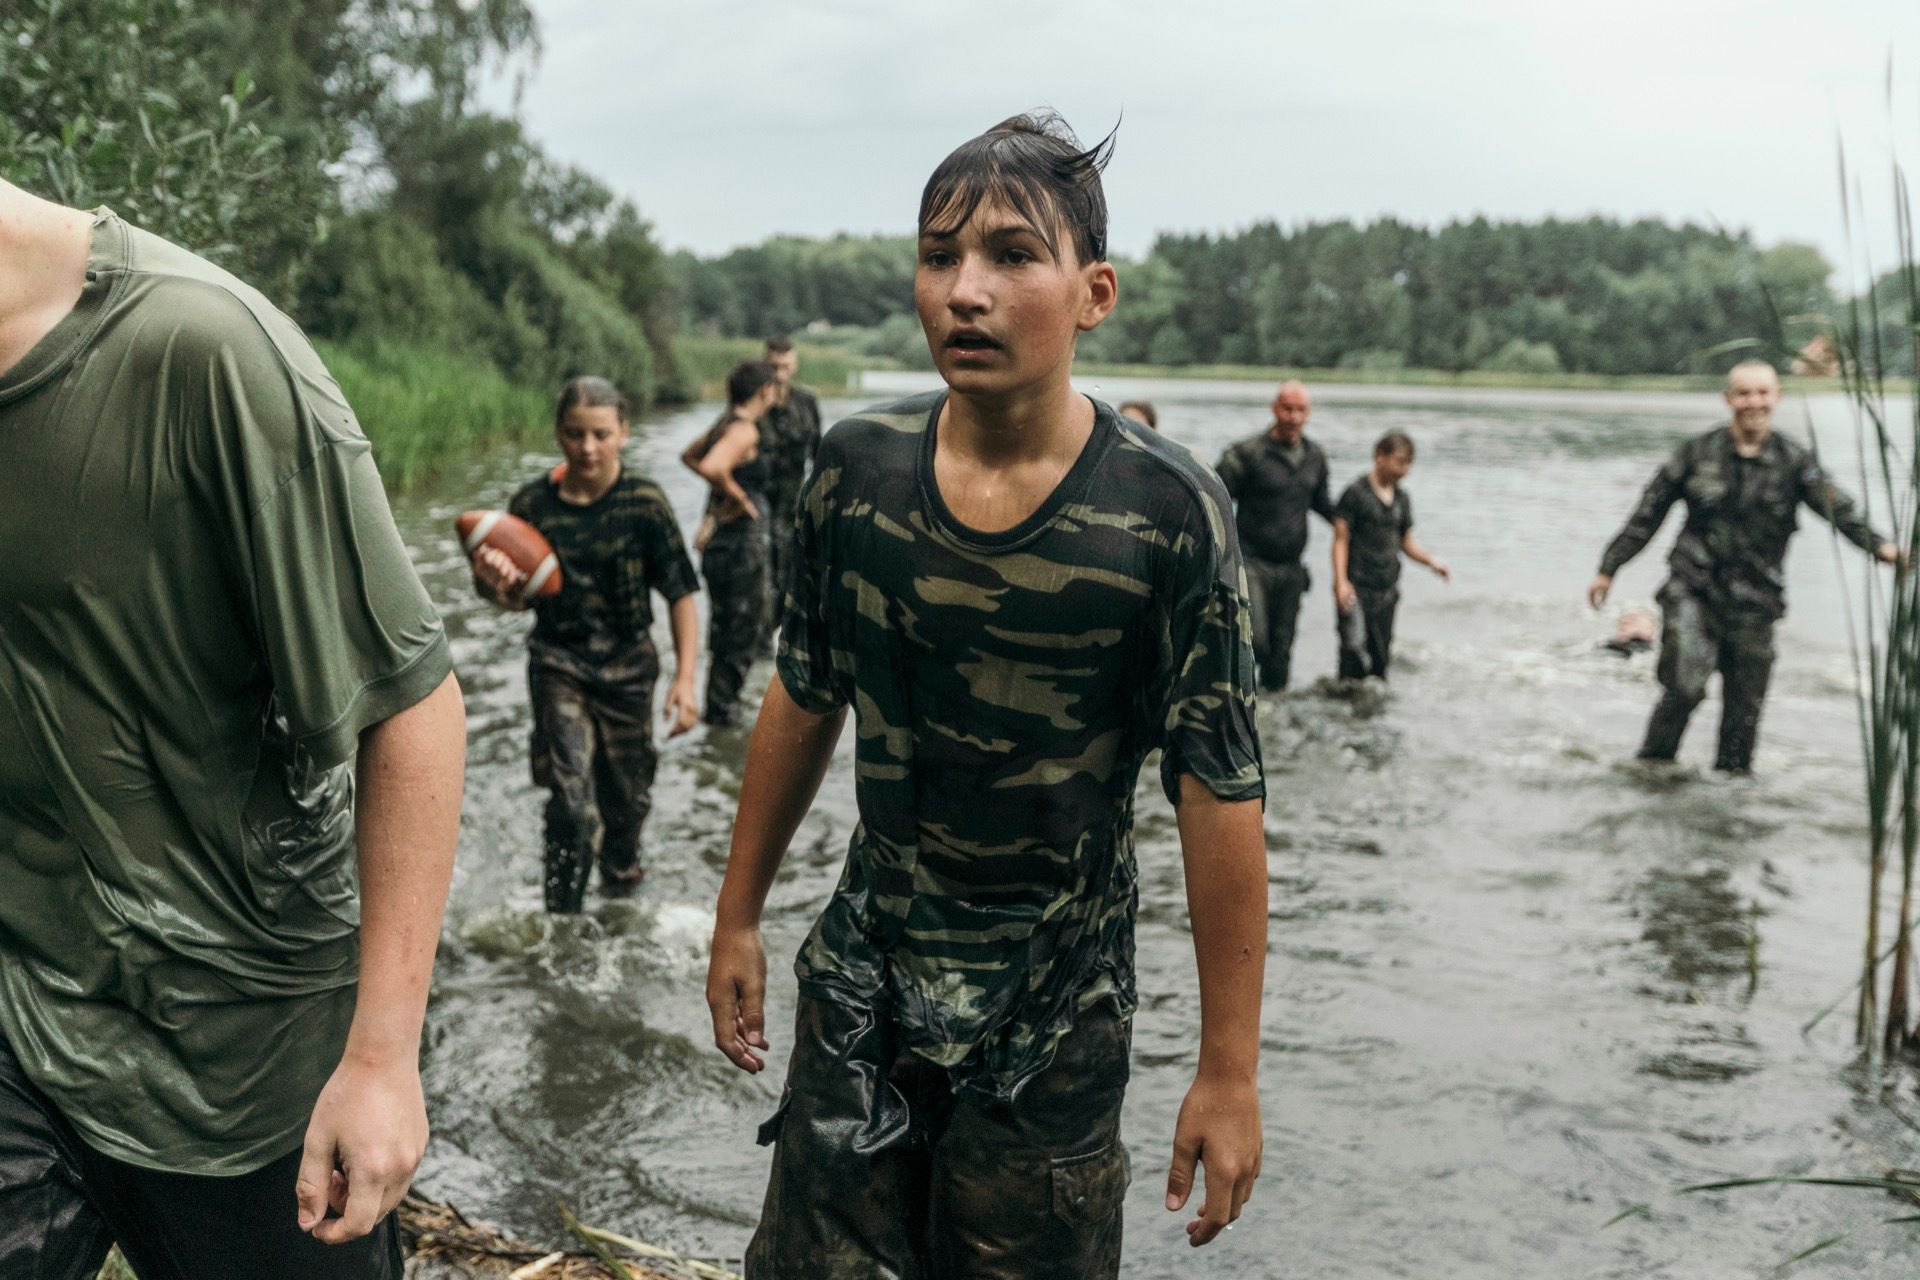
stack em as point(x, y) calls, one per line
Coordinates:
point(1743, 487)
point(591, 665)
point(1020, 594)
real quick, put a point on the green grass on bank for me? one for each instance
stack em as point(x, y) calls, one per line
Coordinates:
point(422, 408)
point(707, 360)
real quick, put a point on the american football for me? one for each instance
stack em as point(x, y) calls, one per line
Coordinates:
point(519, 541)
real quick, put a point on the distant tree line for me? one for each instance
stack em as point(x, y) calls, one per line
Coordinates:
point(329, 152)
point(1590, 295)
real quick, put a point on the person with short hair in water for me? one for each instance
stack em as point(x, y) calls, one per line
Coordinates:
point(1021, 595)
point(789, 437)
point(735, 551)
point(591, 663)
point(1743, 485)
point(231, 753)
point(1372, 529)
point(1276, 478)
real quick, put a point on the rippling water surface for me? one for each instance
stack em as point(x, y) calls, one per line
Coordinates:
point(1516, 984)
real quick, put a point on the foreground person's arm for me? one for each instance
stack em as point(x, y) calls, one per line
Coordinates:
point(369, 1126)
point(1223, 844)
point(786, 759)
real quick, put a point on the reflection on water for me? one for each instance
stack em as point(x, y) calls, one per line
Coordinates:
point(1517, 981)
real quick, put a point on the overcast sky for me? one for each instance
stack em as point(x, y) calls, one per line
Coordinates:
point(727, 122)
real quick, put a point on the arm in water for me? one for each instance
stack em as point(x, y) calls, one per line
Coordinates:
point(1827, 501)
point(369, 1126)
point(786, 758)
point(683, 709)
point(1660, 494)
point(1224, 847)
point(1420, 555)
point(1343, 594)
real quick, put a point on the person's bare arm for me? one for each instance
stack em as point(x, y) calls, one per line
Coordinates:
point(1420, 555)
point(369, 1126)
point(1343, 593)
point(683, 709)
point(786, 758)
point(1223, 844)
point(728, 452)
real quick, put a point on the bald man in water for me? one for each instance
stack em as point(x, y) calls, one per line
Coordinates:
point(1276, 478)
point(1743, 486)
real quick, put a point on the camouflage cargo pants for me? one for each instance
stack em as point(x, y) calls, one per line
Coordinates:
point(781, 544)
point(593, 751)
point(1273, 595)
point(1697, 639)
point(735, 567)
point(881, 1173)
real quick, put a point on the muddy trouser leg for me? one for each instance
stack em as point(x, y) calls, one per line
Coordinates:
point(1689, 652)
point(847, 1195)
point(1274, 592)
point(563, 751)
point(61, 1202)
point(1746, 665)
point(735, 565)
point(1379, 608)
point(1032, 1189)
point(624, 762)
point(780, 544)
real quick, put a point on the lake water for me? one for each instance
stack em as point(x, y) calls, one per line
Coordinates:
point(1515, 984)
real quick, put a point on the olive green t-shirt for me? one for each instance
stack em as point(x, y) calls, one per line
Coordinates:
point(203, 601)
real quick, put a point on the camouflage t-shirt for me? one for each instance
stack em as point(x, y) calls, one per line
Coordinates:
point(613, 552)
point(1006, 688)
point(789, 435)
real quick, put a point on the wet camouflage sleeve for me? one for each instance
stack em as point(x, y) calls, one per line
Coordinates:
point(1323, 494)
point(1655, 500)
point(1202, 688)
point(669, 569)
point(1232, 470)
point(1832, 504)
point(805, 661)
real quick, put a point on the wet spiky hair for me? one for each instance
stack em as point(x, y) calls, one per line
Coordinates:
point(1035, 166)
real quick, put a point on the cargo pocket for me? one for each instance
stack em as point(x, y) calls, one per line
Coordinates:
point(770, 1131)
point(1088, 1190)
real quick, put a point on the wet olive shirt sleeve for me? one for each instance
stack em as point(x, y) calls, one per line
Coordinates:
point(1661, 492)
point(203, 602)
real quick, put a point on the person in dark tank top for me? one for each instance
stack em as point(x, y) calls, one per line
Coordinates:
point(735, 551)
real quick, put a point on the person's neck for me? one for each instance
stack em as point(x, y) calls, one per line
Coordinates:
point(1751, 439)
point(43, 268)
point(1380, 482)
point(1280, 438)
point(1024, 425)
point(584, 493)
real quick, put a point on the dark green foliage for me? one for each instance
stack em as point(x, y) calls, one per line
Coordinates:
point(783, 284)
point(128, 103)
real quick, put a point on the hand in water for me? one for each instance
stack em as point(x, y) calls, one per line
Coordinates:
point(368, 1132)
point(736, 996)
point(1219, 1127)
point(1345, 597)
point(682, 711)
point(1597, 589)
point(1440, 568)
point(1890, 553)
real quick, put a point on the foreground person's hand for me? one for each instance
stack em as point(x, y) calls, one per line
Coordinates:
point(682, 711)
point(368, 1132)
point(1219, 1127)
point(736, 995)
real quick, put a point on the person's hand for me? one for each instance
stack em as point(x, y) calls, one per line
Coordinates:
point(1219, 1127)
point(1890, 553)
point(498, 578)
point(1597, 589)
point(682, 711)
point(736, 995)
point(1344, 596)
point(746, 509)
point(366, 1137)
point(1440, 568)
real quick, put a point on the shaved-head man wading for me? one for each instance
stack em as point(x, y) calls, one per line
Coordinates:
point(1743, 486)
point(1276, 478)
point(230, 766)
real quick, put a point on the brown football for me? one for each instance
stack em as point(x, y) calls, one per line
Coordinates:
point(521, 542)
